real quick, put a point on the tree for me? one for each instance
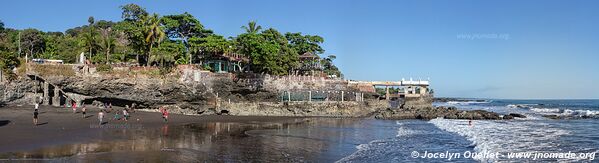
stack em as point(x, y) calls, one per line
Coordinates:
point(183, 27)
point(164, 55)
point(287, 58)
point(51, 45)
point(107, 42)
point(133, 26)
point(153, 31)
point(1, 26)
point(90, 38)
point(329, 67)
point(211, 45)
point(268, 51)
point(252, 27)
point(8, 61)
point(133, 12)
point(305, 43)
point(32, 41)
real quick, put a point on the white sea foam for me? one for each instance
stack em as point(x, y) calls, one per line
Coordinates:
point(503, 136)
point(546, 110)
point(465, 102)
point(569, 112)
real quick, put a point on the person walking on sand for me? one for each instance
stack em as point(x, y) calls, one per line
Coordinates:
point(101, 116)
point(74, 107)
point(35, 113)
point(165, 115)
point(83, 110)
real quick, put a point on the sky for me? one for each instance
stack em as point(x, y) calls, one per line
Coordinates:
point(509, 49)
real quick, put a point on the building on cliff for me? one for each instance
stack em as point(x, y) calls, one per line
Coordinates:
point(226, 62)
point(395, 89)
point(310, 65)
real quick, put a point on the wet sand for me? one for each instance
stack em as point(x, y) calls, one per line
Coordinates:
point(61, 125)
point(65, 136)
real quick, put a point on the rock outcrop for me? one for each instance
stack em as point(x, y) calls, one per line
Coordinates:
point(431, 113)
point(19, 91)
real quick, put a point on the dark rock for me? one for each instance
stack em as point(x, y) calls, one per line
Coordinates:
point(516, 115)
point(431, 113)
point(552, 116)
point(508, 117)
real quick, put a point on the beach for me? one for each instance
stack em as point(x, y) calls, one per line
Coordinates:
point(60, 126)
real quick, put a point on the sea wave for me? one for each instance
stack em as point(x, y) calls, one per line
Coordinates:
point(491, 136)
point(566, 112)
point(466, 102)
point(545, 110)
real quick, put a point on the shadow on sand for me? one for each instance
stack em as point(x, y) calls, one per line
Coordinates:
point(45, 123)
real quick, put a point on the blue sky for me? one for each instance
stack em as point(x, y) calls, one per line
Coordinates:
point(492, 49)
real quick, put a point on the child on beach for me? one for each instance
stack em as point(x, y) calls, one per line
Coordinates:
point(35, 113)
point(116, 115)
point(83, 110)
point(101, 116)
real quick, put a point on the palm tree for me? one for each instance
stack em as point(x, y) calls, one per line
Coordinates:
point(161, 57)
point(252, 27)
point(153, 32)
point(107, 43)
point(90, 38)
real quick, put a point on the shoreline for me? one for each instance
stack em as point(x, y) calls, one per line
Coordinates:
point(59, 126)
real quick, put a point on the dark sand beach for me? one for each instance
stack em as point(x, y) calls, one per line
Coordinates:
point(65, 136)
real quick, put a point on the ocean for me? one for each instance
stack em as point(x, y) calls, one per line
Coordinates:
point(531, 139)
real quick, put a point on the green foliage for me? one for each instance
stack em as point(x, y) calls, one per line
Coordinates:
point(104, 68)
point(148, 39)
point(107, 42)
point(211, 45)
point(8, 61)
point(252, 27)
point(183, 27)
point(269, 52)
point(305, 43)
point(133, 12)
point(329, 67)
point(165, 54)
point(32, 42)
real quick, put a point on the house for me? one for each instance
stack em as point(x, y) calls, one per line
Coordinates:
point(228, 62)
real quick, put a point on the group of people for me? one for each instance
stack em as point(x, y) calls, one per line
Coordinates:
point(117, 115)
point(103, 111)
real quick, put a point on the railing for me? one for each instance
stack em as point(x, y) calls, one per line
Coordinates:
point(320, 95)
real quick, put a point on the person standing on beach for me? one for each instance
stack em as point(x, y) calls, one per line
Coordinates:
point(83, 110)
point(101, 116)
point(165, 115)
point(125, 115)
point(116, 115)
point(35, 113)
